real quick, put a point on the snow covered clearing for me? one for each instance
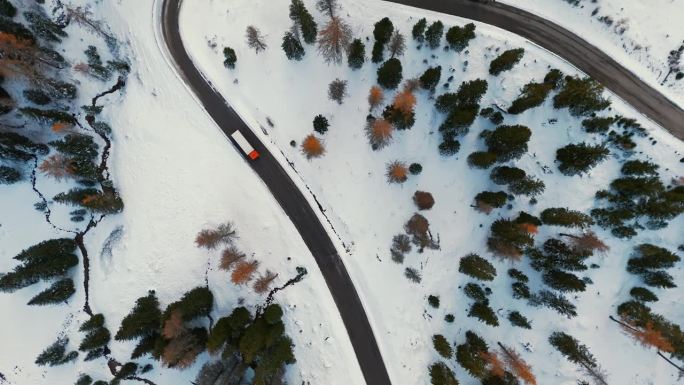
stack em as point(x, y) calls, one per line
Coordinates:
point(638, 34)
point(177, 174)
point(349, 180)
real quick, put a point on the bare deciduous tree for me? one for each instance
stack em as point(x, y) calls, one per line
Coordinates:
point(231, 256)
point(327, 6)
point(337, 90)
point(263, 283)
point(223, 234)
point(334, 40)
point(255, 39)
point(397, 44)
point(517, 365)
point(57, 166)
point(83, 16)
point(243, 272)
point(379, 133)
point(375, 96)
point(397, 172)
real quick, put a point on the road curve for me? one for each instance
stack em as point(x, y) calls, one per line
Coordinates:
point(290, 199)
point(572, 48)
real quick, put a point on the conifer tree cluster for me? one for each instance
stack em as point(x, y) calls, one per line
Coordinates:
point(638, 193)
point(96, 338)
point(508, 239)
point(579, 158)
point(56, 354)
point(534, 94)
point(459, 37)
point(583, 96)
point(517, 180)
point(461, 109)
point(44, 261)
point(651, 262)
point(507, 142)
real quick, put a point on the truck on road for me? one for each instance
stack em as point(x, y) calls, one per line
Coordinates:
point(244, 145)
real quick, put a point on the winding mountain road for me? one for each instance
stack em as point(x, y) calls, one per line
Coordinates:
point(572, 48)
point(290, 199)
point(550, 36)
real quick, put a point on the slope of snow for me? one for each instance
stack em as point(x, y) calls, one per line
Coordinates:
point(640, 37)
point(176, 174)
point(366, 212)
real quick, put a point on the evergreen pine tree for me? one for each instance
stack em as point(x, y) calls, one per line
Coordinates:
point(320, 124)
point(561, 216)
point(442, 346)
point(563, 282)
point(572, 349)
point(643, 294)
point(229, 57)
point(143, 320)
point(440, 374)
point(357, 54)
point(506, 61)
point(519, 320)
point(470, 355)
point(459, 37)
point(56, 354)
point(477, 267)
point(433, 34)
point(7, 9)
point(418, 30)
point(507, 142)
point(430, 78)
point(292, 47)
point(303, 19)
point(581, 96)
point(59, 292)
point(96, 339)
point(382, 32)
point(484, 313)
point(508, 239)
point(579, 158)
point(389, 74)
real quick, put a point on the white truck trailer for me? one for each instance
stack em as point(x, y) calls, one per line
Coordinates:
point(244, 145)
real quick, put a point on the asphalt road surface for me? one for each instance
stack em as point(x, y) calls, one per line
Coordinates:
point(572, 48)
point(290, 199)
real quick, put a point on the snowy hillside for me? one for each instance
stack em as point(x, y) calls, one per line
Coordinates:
point(280, 99)
point(176, 174)
point(638, 34)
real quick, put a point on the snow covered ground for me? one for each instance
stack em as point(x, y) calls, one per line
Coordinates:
point(349, 181)
point(176, 174)
point(640, 35)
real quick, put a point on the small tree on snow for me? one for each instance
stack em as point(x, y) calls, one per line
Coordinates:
point(292, 47)
point(243, 272)
point(320, 124)
point(327, 6)
point(224, 233)
point(413, 275)
point(230, 257)
point(379, 133)
point(337, 90)
point(375, 97)
point(255, 39)
point(312, 147)
point(334, 40)
point(263, 283)
point(397, 44)
point(229, 57)
point(397, 172)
